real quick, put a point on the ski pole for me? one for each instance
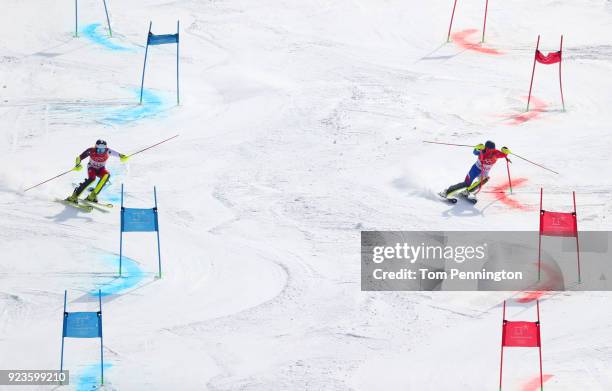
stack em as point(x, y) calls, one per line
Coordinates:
point(456, 145)
point(509, 179)
point(471, 146)
point(49, 180)
point(154, 145)
point(535, 164)
point(135, 153)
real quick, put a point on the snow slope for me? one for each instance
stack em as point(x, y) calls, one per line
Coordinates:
point(301, 124)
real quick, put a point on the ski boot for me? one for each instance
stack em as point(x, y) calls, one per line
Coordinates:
point(452, 190)
point(455, 187)
point(74, 198)
point(474, 187)
point(92, 197)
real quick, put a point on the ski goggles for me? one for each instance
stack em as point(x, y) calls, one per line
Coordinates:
point(100, 149)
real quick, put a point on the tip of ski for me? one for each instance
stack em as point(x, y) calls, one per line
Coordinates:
point(445, 198)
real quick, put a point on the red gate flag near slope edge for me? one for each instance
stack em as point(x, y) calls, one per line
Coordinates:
point(547, 59)
point(562, 224)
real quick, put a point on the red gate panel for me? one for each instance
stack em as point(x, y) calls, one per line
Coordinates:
point(521, 334)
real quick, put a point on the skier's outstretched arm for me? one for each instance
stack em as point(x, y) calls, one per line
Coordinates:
point(478, 149)
point(505, 151)
point(121, 156)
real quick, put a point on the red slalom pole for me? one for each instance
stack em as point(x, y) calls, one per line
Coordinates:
point(577, 244)
point(450, 25)
point(509, 179)
point(561, 60)
point(533, 71)
point(540, 236)
point(501, 361)
point(540, 346)
point(484, 26)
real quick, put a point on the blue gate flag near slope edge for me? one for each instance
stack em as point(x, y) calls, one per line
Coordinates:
point(160, 39)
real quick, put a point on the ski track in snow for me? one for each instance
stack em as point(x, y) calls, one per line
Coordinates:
point(132, 275)
point(537, 107)
point(93, 33)
point(534, 384)
point(88, 377)
point(501, 194)
point(460, 38)
point(301, 125)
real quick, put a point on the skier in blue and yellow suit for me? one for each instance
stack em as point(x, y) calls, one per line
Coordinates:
point(479, 173)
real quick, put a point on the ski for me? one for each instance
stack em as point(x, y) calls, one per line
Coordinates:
point(446, 198)
point(97, 204)
point(84, 208)
point(455, 195)
point(469, 198)
point(94, 205)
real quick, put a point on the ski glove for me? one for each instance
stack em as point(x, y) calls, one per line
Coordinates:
point(123, 158)
point(479, 147)
point(77, 164)
point(505, 151)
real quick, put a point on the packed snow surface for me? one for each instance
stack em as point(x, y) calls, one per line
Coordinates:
point(301, 124)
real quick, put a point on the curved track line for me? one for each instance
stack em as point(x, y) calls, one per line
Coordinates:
point(460, 39)
point(534, 384)
point(88, 379)
point(152, 105)
point(132, 275)
point(92, 32)
point(531, 296)
point(538, 107)
point(500, 193)
point(552, 281)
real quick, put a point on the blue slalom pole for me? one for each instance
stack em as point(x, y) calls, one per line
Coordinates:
point(63, 332)
point(121, 233)
point(157, 231)
point(101, 340)
point(177, 62)
point(145, 62)
point(76, 18)
point(110, 32)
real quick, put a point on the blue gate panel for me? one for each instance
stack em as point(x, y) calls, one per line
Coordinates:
point(139, 220)
point(82, 325)
point(161, 39)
